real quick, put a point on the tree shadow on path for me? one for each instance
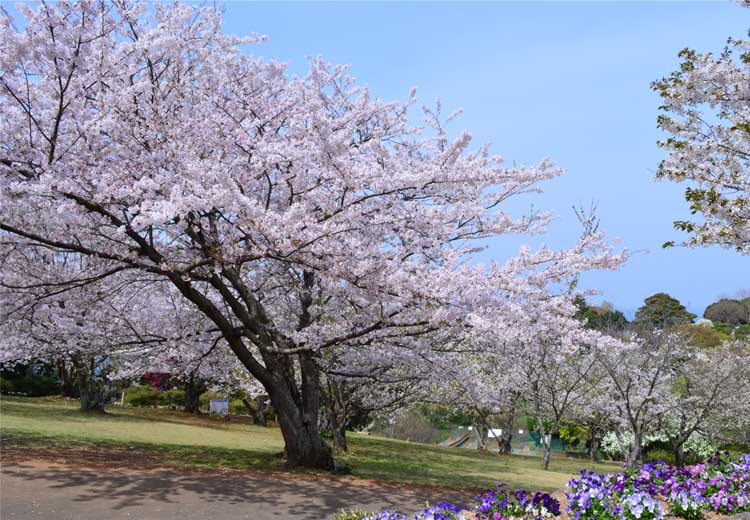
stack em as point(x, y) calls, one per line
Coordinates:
point(225, 494)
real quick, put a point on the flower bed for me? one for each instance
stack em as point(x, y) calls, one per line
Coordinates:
point(719, 486)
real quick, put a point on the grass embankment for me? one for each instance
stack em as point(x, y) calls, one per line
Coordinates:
point(168, 438)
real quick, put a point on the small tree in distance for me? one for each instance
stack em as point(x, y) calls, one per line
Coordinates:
point(661, 311)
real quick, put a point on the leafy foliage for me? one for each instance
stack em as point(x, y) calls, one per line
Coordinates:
point(32, 379)
point(142, 395)
point(661, 311)
point(726, 310)
point(602, 317)
point(705, 112)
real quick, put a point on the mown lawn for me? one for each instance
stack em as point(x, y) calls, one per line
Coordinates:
point(177, 439)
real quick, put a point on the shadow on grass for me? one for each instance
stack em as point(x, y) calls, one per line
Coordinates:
point(59, 409)
point(135, 454)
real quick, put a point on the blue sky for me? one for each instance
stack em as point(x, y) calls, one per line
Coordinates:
point(565, 80)
point(569, 81)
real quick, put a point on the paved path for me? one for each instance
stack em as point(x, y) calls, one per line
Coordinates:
point(34, 489)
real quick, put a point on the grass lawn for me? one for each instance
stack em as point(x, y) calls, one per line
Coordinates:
point(178, 439)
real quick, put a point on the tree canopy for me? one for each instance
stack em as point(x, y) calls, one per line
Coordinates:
point(660, 311)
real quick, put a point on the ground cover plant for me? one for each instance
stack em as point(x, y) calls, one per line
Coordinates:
point(657, 490)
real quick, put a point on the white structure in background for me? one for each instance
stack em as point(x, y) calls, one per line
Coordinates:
point(219, 407)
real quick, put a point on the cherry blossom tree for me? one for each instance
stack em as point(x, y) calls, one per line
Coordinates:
point(77, 327)
point(546, 365)
point(559, 371)
point(640, 372)
point(709, 391)
point(707, 116)
point(297, 215)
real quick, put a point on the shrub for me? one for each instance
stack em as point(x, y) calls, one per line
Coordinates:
point(35, 379)
point(742, 332)
point(142, 395)
point(237, 407)
point(408, 425)
point(6, 386)
point(174, 398)
point(205, 400)
point(158, 380)
point(658, 454)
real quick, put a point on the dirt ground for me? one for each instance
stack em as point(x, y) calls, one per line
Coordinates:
point(62, 486)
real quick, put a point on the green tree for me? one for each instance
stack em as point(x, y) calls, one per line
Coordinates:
point(662, 311)
point(600, 317)
point(727, 310)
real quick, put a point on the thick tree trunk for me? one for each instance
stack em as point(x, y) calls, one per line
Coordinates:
point(192, 396)
point(679, 454)
point(504, 442)
point(298, 409)
point(504, 446)
point(298, 413)
point(303, 444)
point(93, 387)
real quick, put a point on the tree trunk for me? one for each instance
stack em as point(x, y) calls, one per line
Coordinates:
point(339, 439)
point(261, 407)
point(504, 440)
point(547, 453)
point(336, 413)
point(298, 408)
point(504, 446)
point(298, 413)
point(192, 396)
point(679, 454)
point(67, 379)
point(337, 426)
point(303, 444)
point(635, 459)
point(593, 446)
point(546, 441)
point(481, 431)
point(93, 387)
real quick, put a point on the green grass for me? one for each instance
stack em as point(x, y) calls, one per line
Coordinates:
point(176, 439)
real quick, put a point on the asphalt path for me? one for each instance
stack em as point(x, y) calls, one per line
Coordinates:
point(39, 489)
